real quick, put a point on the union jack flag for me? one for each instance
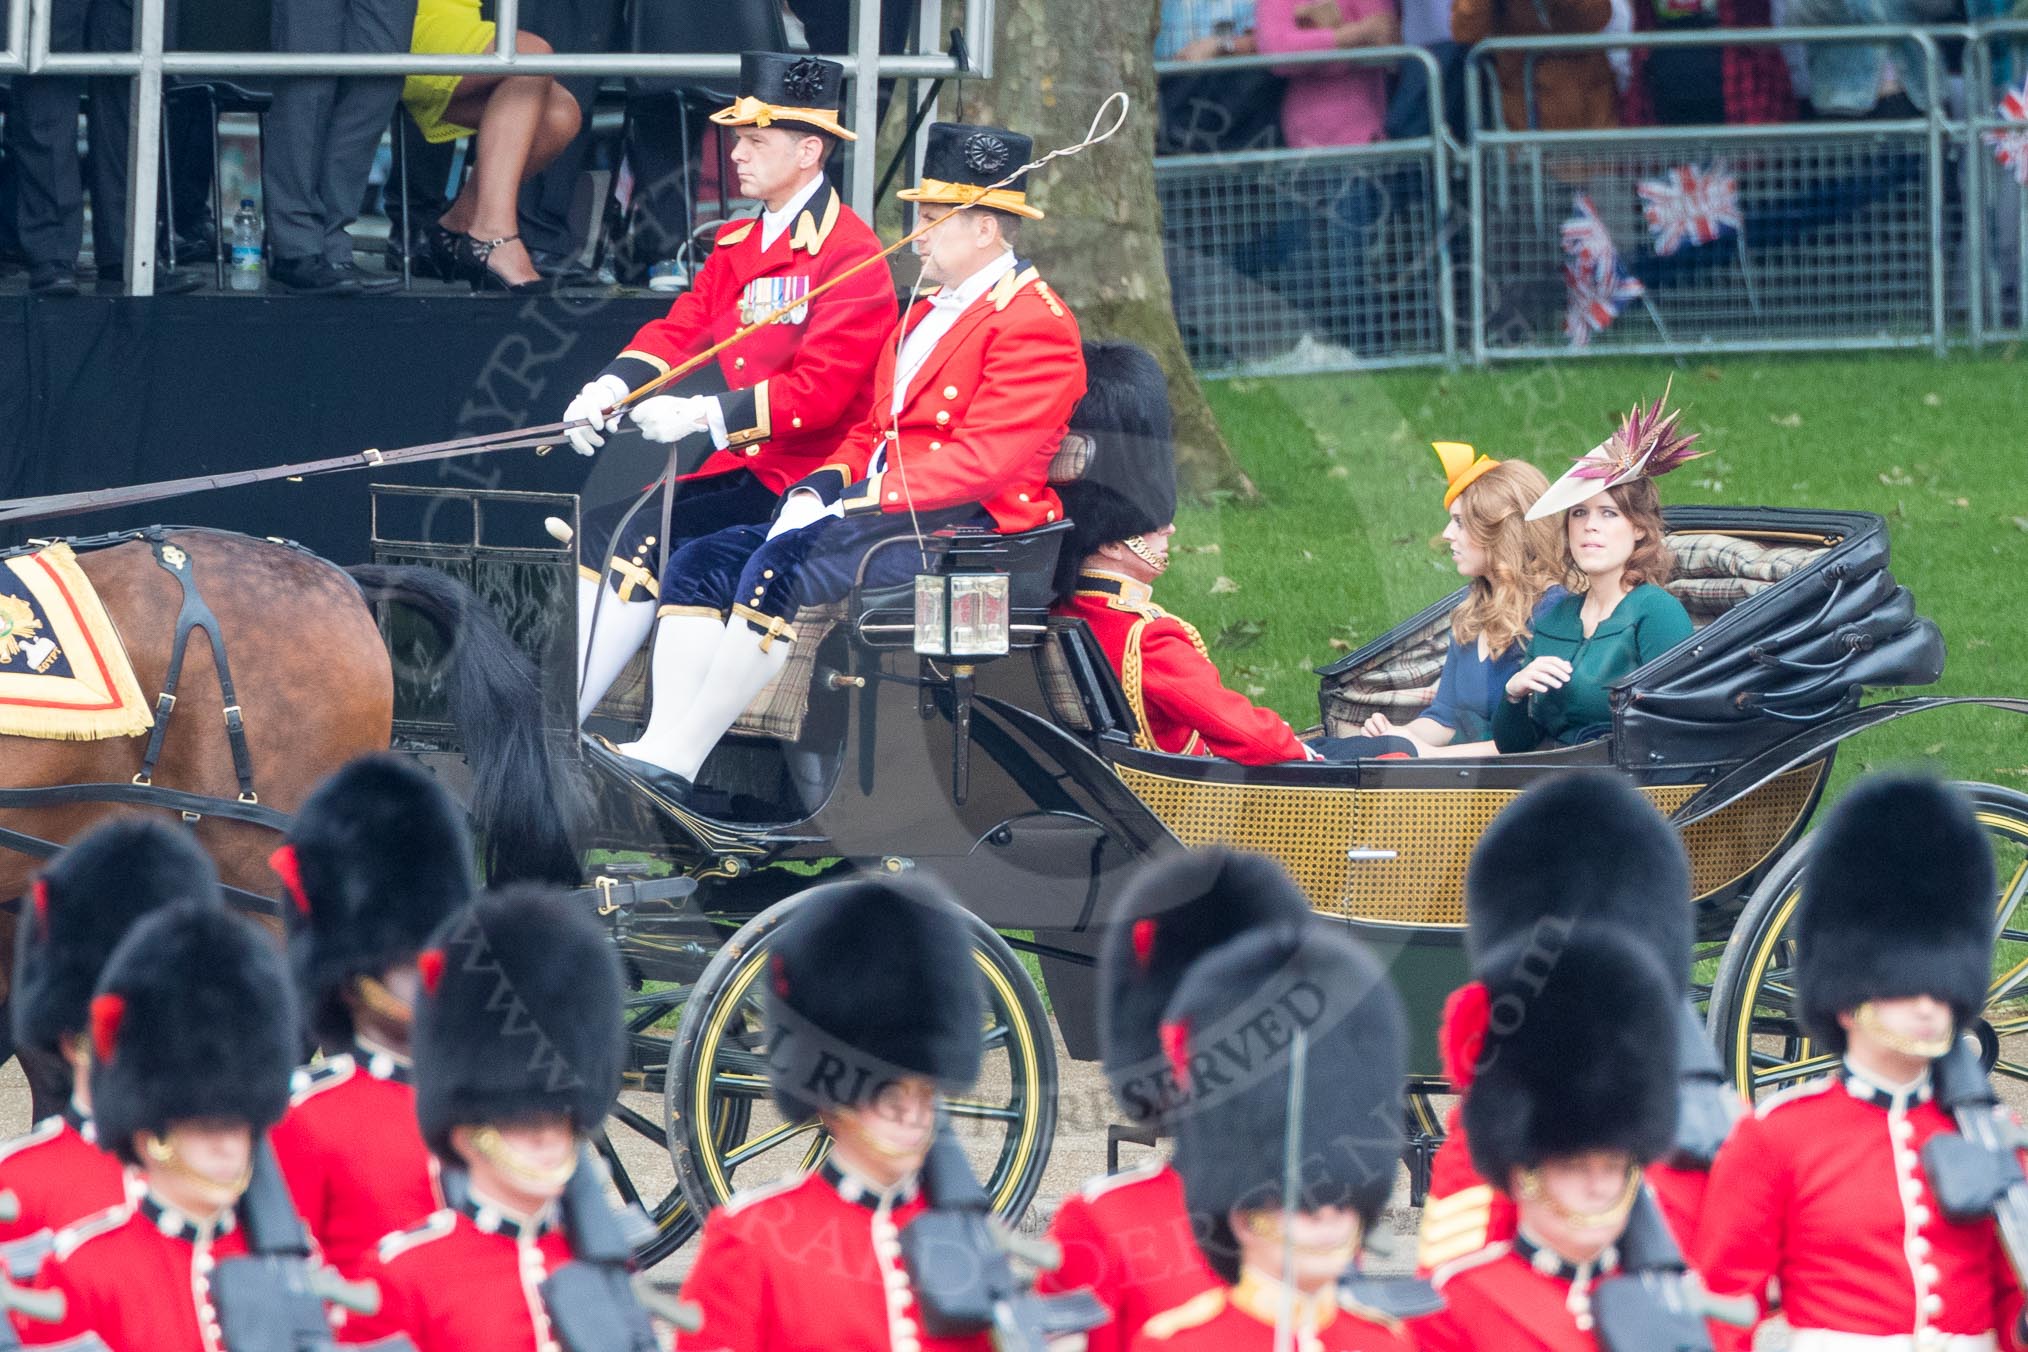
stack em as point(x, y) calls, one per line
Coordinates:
point(1689, 205)
point(1587, 244)
point(2010, 146)
point(1596, 301)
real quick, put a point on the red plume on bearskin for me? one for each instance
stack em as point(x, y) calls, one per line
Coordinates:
point(107, 1011)
point(290, 870)
point(39, 889)
point(1176, 1046)
point(429, 964)
point(1462, 1035)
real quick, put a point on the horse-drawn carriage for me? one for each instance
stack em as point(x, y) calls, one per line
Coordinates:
point(955, 726)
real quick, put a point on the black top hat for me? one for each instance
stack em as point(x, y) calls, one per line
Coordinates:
point(795, 91)
point(83, 905)
point(1897, 901)
point(194, 1018)
point(375, 861)
point(1176, 910)
point(1230, 1031)
point(960, 159)
point(520, 1014)
point(1128, 481)
point(870, 980)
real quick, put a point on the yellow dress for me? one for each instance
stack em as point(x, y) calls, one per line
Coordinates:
point(443, 26)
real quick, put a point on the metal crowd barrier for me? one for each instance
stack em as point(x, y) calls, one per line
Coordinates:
point(1996, 207)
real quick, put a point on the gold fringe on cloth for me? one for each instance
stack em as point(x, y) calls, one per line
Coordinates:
point(100, 698)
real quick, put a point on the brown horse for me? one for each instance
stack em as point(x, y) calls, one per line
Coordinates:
point(316, 689)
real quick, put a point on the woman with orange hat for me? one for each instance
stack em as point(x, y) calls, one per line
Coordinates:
point(1515, 566)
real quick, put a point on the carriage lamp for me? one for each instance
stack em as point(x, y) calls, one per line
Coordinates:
point(961, 614)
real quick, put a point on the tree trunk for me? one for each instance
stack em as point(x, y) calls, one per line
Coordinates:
point(1055, 61)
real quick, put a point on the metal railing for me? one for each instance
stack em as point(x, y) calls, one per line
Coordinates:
point(27, 53)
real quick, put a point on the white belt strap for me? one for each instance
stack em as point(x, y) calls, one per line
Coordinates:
point(1827, 1340)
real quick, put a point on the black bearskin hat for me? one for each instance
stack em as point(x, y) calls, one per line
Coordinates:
point(81, 907)
point(1229, 1030)
point(376, 859)
point(1582, 846)
point(1128, 482)
point(1174, 912)
point(520, 1014)
point(1897, 901)
point(1580, 1052)
point(193, 1018)
point(869, 980)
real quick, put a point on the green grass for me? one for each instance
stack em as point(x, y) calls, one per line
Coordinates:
point(1342, 542)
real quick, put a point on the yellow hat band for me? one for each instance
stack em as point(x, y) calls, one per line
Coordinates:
point(748, 111)
point(1462, 467)
point(971, 195)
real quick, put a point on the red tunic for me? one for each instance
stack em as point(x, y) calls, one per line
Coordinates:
point(464, 1279)
point(1126, 1238)
point(982, 417)
point(353, 1156)
point(1823, 1190)
point(1498, 1301)
point(137, 1276)
point(809, 1264)
point(1169, 679)
point(797, 384)
point(59, 1176)
point(1242, 1317)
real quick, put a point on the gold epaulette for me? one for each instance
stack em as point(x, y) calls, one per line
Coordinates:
point(737, 233)
point(1195, 1312)
point(1453, 1226)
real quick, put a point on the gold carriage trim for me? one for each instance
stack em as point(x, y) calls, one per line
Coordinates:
point(64, 674)
point(1432, 832)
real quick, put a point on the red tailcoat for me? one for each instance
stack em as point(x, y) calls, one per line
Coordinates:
point(1823, 1190)
point(1175, 690)
point(59, 1176)
point(1242, 1318)
point(1497, 1301)
point(809, 1264)
point(353, 1156)
point(797, 384)
point(1127, 1239)
point(137, 1276)
point(984, 415)
point(463, 1280)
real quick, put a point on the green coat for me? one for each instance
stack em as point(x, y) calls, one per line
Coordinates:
point(1645, 624)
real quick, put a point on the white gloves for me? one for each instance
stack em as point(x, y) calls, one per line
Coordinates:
point(669, 417)
point(800, 509)
point(591, 403)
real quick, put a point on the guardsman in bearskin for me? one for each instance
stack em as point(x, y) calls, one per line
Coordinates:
point(1127, 1237)
point(1575, 1094)
point(777, 402)
point(1293, 1001)
point(374, 862)
point(1824, 1189)
point(1584, 846)
point(970, 399)
point(518, 1050)
point(194, 1032)
point(80, 908)
point(873, 1009)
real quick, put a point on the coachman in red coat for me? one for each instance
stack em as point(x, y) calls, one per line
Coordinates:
point(775, 404)
point(1823, 1194)
point(970, 400)
point(79, 909)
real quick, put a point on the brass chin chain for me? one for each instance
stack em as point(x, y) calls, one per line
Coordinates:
point(1868, 1019)
point(1267, 1225)
point(217, 1191)
point(383, 1002)
point(849, 1123)
point(1158, 562)
point(490, 1143)
point(1611, 1218)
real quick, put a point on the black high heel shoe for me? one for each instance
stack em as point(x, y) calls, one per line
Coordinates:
point(475, 266)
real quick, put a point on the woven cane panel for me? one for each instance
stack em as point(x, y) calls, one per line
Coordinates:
point(1305, 829)
point(1733, 841)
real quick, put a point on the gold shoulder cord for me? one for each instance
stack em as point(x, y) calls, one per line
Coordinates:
point(1131, 680)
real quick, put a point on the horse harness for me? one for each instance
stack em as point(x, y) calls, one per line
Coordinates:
point(194, 614)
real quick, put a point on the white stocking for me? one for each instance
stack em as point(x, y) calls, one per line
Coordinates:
point(739, 671)
point(604, 653)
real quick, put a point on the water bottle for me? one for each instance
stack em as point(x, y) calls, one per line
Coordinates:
point(246, 247)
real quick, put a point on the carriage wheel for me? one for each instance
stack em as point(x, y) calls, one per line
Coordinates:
point(1007, 1120)
point(1754, 1010)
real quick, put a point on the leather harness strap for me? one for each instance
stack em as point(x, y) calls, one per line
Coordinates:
point(194, 614)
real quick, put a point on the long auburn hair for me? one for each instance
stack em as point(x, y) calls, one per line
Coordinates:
point(1652, 559)
point(1523, 558)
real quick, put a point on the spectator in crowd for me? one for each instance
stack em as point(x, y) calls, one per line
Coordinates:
point(1198, 30)
point(1427, 24)
point(1869, 80)
point(1217, 109)
point(1693, 86)
point(321, 136)
point(522, 122)
point(42, 147)
point(547, 197)
point(1329, 105)
point(1573, 92)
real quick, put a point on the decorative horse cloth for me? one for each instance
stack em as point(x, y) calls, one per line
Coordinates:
point(64, 673)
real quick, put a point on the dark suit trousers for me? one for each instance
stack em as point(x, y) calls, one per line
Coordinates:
point(42, 140)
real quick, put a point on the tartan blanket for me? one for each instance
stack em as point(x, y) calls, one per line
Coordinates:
point(64, 673)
